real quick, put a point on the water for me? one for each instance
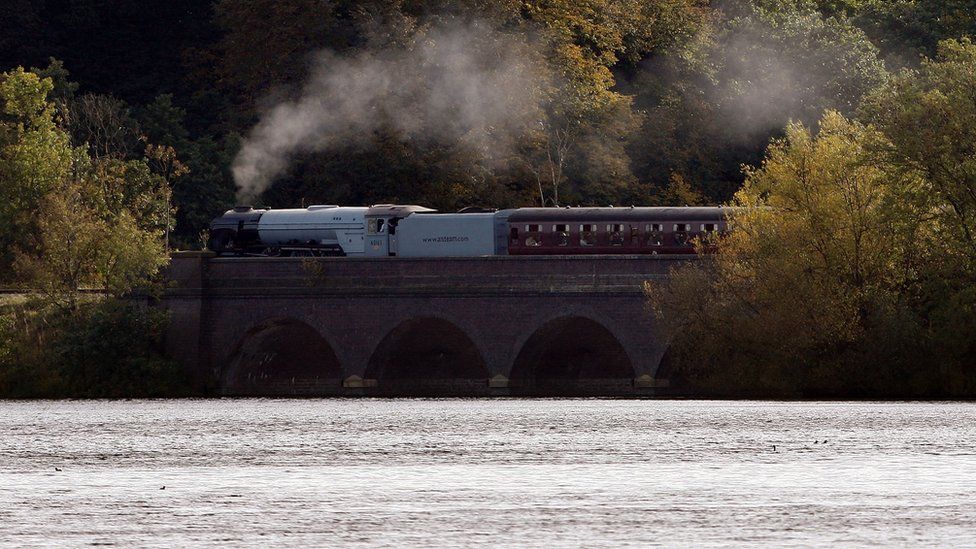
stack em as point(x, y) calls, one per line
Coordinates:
point(538, 473)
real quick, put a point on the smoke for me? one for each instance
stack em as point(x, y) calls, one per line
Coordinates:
point(788, 65)
point(455, 83)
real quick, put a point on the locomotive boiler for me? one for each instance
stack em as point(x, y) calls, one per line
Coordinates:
point(316, 230)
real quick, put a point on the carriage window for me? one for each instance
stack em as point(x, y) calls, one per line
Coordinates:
point(655, 234)
point(616, 234)
point(709, 230)
point(533, 236)
point(513, 235)
point(587, 235)
point(681, 236)
point(634, 233)
point(562, 234)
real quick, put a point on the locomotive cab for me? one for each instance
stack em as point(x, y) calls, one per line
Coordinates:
point(381, 227)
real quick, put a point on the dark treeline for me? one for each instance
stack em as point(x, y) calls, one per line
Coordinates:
point(596, 102)
point(127, 125)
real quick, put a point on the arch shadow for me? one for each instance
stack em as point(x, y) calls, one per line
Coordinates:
point(572, 356)
point(672, 377)
point(428, 356)
point(282, 357)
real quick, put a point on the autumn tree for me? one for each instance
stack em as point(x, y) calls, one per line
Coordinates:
point(928, 117)
point(75, 249)
point(35, 158)
point(73, 221)
point(813, 292)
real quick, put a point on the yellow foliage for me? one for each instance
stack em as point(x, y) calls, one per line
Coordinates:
point(824, 248)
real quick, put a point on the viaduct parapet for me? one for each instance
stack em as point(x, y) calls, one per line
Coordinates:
point(574, 325)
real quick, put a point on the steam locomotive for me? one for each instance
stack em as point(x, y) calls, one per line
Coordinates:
point(415, 231)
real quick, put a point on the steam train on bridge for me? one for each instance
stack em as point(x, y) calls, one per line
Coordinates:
point(415, 231)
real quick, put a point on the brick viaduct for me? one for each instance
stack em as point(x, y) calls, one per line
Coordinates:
point(454, 326)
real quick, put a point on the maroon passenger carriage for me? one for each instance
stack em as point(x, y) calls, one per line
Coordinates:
point(633, 230)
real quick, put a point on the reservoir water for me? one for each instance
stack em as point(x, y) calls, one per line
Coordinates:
point(531, 473)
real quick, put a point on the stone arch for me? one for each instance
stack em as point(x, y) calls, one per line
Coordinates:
point(572, 355)
point(282, 357)
point(428, 356)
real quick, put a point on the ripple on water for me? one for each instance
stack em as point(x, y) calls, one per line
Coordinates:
point(486, 472)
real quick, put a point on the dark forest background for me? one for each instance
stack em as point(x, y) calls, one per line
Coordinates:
point(653, 102)
point(844, 132)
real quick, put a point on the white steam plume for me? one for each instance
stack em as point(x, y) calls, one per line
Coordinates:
point(460, 83)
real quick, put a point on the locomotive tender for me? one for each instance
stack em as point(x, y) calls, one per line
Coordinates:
point(415, 231)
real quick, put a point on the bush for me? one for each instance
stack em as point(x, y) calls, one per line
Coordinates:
point(109, 348)
point(114, 349)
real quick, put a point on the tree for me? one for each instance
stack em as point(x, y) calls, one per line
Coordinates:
point(589, 122)
point(763, 64)
point(907, 30)
point(200, 177)
point(929, 115)
point(92, 233)
point(105, 124)
point(573, 149)
point(266, 44)
point(64, 255)
point(35, 157)
point(70, 220)
point(812, 292)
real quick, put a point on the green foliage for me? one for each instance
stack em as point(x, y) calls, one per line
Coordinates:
point(637, 91)
point(768, 63)
point(577, 151)
point(35, 158)
point(6, 340)
point(25, 367)
point(73, 221)
point(113, 349)
point(105, 349)
point(25, 99)
point(266, 42)
point(907, 30)
point(63, 91)
point(201, 184)
point(794, 64)
point(930, 117)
